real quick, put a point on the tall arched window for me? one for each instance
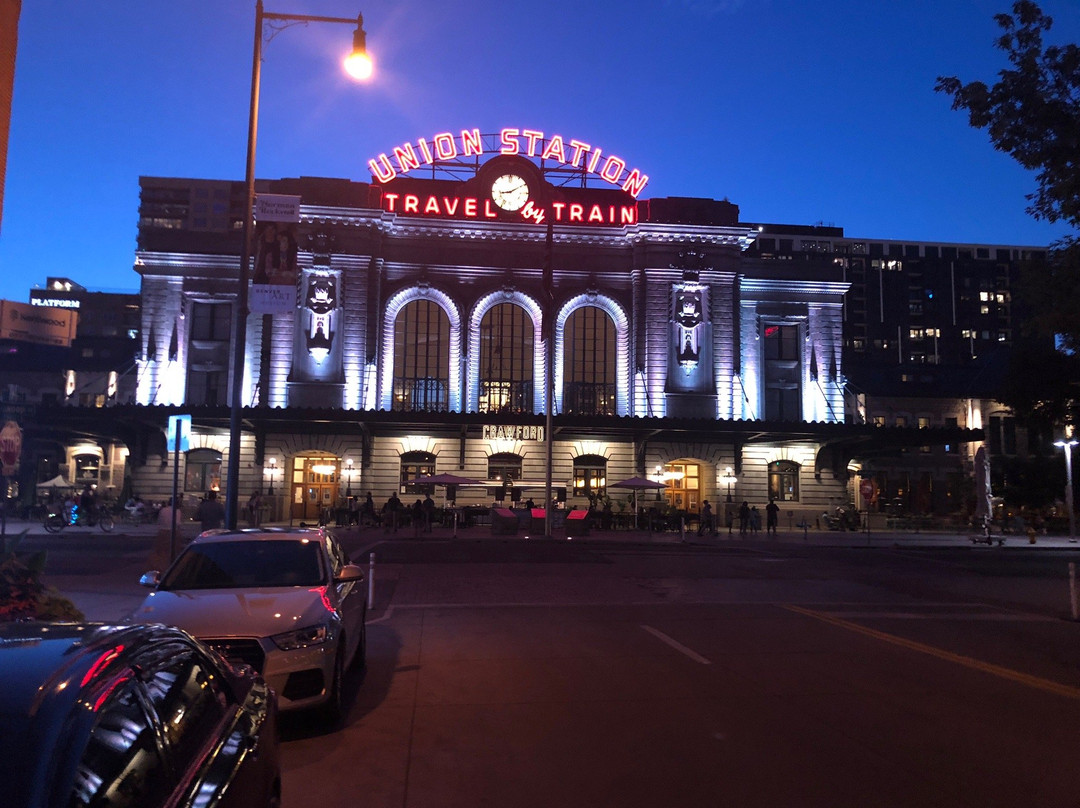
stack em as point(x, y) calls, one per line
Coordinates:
point(589, 362)
point(783, 372)
point(506, 360)
point(784, 481)
point(421, 358)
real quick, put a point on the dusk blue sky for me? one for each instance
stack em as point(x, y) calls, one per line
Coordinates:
point(798, 112)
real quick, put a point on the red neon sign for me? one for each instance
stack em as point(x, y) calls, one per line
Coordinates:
point(526, 142)
point(472, 208)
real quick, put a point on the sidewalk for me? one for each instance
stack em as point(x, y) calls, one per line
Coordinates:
point(106, 587)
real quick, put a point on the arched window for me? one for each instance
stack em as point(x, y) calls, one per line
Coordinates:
point(413, 465)
point(589, 362)
point(506, 360)
point(87, 468)
point(590, 476)
point(202, 471)
point(506, 467)
point(421, 358)
point(784, 481)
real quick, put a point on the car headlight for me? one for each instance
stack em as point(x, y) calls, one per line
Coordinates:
point(302, 637)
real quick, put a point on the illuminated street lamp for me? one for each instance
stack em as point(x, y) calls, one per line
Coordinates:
point(729, 478)
point(1067, 445)
point(270, 472)
point(358, 65)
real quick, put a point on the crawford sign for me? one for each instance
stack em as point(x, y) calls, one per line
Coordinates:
point(446, 146)
point(513, 432)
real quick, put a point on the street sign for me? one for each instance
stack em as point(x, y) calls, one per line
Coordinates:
point(183, 424)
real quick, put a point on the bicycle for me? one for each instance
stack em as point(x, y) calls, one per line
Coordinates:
point(55, 521)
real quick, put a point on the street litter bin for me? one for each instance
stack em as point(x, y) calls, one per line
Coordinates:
point(577, 524)
point(504, 522)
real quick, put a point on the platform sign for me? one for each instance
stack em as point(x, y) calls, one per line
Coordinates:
point(179, 424)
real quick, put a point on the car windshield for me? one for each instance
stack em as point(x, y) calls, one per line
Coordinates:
point(246, 564)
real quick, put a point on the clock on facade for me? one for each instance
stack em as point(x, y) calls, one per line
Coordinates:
point(510, 192)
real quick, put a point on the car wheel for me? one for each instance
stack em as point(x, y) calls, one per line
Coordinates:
point(332, 709)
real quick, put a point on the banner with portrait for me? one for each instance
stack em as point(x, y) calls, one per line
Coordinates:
point(273, 288)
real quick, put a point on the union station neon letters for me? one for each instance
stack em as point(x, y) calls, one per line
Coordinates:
point(526, 142)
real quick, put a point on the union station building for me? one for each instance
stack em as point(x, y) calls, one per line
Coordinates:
point(512, 308)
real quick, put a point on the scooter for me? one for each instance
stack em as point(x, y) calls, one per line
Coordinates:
point(988, 539)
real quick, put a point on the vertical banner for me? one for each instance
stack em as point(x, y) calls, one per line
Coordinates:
point(10, 448)
point(273, 289)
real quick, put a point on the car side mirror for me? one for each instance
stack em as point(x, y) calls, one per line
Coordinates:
point(349, 573)
point(150, 579)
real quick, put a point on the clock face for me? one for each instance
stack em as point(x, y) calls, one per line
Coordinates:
point(510, 192)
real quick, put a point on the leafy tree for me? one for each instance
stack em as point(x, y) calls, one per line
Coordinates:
point(1033, 114)
point(1033, 111)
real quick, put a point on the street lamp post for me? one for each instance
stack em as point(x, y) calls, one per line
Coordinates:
point(272, 470)
point(358, 65)
point(1068, 445)
point(729, 478)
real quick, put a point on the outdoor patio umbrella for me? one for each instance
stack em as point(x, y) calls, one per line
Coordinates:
point(56, 482)
point(447, 480)
point(638, 484)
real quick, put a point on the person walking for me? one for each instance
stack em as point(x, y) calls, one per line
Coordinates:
point(772, 517)
point(211, 513)
point(254, 508)
point(429, 513)
point(744, 517)
point(706, 523)
point(367, 511)
point(390, 513)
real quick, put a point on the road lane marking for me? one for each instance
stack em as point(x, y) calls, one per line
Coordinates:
point(999, 616)
point(678, 646)
point(1009, 674)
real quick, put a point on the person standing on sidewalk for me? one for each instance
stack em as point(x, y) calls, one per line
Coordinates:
point(211, 513)
point(744, 517)
point(772, 517)
point(254, 507)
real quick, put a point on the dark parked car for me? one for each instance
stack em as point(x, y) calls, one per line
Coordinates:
point(137, 715)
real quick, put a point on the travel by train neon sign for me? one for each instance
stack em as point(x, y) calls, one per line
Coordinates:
point(572, 153)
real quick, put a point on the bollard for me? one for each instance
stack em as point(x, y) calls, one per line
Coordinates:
point(371, 581)
point(1072, 591)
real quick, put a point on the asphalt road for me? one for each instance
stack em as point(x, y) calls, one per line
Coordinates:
point(537, 673)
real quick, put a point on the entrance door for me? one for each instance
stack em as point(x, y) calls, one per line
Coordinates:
point(683, 492)
point(314, 486)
